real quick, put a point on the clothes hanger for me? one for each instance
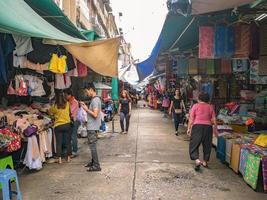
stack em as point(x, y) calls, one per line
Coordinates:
point(239, 21)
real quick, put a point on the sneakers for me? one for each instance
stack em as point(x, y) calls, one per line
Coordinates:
point(74, 154)
point(93, 169)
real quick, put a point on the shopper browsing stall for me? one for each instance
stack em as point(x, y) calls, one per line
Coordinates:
point(74, 106)
point(61, 112)
point(177, 108)
point(202, 117)
point(93, 125)
point(125, 109)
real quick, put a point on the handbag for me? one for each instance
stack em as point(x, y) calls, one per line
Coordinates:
point(30, 131)
point(11, 90)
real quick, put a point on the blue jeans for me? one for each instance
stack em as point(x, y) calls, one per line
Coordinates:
point(126, 117)
point(74, 140)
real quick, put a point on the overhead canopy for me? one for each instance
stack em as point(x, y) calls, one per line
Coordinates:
point(102, 86)
point(49, 11)
point(101, 55)
point(17, 17)
point(146, 67)
point(208, 6)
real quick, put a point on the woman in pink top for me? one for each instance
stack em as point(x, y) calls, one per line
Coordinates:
point(202, 118)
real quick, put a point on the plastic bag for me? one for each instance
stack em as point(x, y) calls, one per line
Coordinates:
point(82, 115)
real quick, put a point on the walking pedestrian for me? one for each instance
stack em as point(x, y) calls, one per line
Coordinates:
point(93, 125)
point(125, 109)
point(74, 107)
point(202, 118)
point(177, 108)
point(61, 112)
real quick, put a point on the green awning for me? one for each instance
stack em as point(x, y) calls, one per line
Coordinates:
point(17, 17)
point(49, 11)
point(90, 35)
point(181, 33)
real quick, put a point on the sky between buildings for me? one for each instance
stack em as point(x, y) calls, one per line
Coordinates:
point(141, 23)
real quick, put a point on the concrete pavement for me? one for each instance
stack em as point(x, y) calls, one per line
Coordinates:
point(150, 163)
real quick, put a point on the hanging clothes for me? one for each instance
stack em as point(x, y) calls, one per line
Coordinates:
point(262, 65)
point(182, 67)
point(7, 46)
point(35, 84)
point(220, 41)
point(62, 81)
point(82, 69)
point(23, 47)
point(41, 52)
point(217, 64)
point(230, 43)
point(33, 159)
point(206, 42)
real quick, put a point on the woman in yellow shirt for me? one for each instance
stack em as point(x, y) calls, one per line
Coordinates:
point(62, 125)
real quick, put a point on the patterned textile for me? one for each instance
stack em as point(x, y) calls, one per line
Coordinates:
point(255, 41)
point(193, 66)
point(235, 156)
point(218, 66)
point(223, 89)
point(228, 150)
point(206, 42)
point(202, 66)
point(182, 67)
point(210, 66)
point(242, 41)
point(240, 65)
point(220, 41)
point(263, 39)
point(243, 160)
point(255, 78)
point(252, 170)
point(264, 173)
point(263, 66)
point(226, 67)
point(221, 145)
point(230, 46)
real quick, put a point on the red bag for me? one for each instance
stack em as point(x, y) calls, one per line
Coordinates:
point(15, 139)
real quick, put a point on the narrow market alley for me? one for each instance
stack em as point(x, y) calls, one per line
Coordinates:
point(150, 163)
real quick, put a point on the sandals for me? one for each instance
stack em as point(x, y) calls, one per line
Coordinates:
point(204, 164)
point(198, 165)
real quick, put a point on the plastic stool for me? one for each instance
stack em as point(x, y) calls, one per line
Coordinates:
point(5, 162)
point(5, 178)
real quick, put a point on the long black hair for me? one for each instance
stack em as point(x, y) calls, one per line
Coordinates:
point(60, 100)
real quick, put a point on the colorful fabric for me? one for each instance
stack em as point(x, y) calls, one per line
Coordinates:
point(15, 140)
point(230, 43)
point(210, 66)
point(235, 156)
point(255, 42)
point(182, 67)
point(82, 69)
point(220, 41)
point(255, 78)
point(202, 66)
point(264, 173)
point(263, 39)
point(217, 65)
point(193, 66)
point(243, 160)
point(206, 42)
point(240, 65)
point(262, 66)
point(226, 67)
point(242, 41)
point(221, 145)
point(252, 170)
